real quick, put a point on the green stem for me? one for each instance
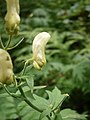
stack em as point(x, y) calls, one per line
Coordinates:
point(16, 44)
point(23, 94)
point(2, 43)
point(24, 97)
point(25, 65)
point(26, 100)
point(9, 41)
point(29, 102)
point(11, 94)
point(24, 68)
point(48, 117)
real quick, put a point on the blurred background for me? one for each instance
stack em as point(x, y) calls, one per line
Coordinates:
point(68, 51)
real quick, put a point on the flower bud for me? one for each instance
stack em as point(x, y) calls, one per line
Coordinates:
point(38, 49)
point(6, 68)
point(17, 6)
point(12, 19)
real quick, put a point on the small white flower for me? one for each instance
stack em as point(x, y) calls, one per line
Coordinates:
point(38, 49)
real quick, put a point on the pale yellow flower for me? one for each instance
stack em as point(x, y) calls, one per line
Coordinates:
point(12, 18)
point(6, 68)
point(38, 49)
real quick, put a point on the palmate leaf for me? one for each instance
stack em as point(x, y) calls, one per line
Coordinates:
point(68, 114)
point(8, 107)
point(27, 113)
point(30, 83)
point(79, 71)
point(56, 98)
point(59, 117)
point(48, 105)
point(54, 101)
point(11, 109)
point(17, 109)
point(45, 113)
point(40, 102)
point(57, 65)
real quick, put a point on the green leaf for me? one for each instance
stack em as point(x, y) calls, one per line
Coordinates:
point(38, 87)
point(59, 117)
point(40, 102)
point(25, 89)
point(68, 114)
point(45, 113)
point(26, 112)
point(30, 83)
point(56, 98)
point(79, 71)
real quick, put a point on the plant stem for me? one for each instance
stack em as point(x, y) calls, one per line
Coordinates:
point(2, 43)
point(23, 94)
point(24, 68)
point(29, 102)
point(25, 65)
point(48, 117)
point(9, 41)
point(26, 100)
point(11, 94)
point(16, 44)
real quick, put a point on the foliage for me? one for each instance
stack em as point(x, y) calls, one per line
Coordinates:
point(19, 109)
point(68, 61)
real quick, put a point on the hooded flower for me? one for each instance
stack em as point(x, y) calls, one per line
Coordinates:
point(12, 19)
point(6, 68)
point(38, 49)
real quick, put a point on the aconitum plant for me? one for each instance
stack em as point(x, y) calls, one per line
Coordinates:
point(49, 109)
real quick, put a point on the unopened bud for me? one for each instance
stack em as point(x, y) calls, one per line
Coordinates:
point(12, 19)
point(6, 68)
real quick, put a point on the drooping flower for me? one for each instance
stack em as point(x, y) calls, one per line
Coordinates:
point(12, 18)
point(38, 49)
point(6, 68)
